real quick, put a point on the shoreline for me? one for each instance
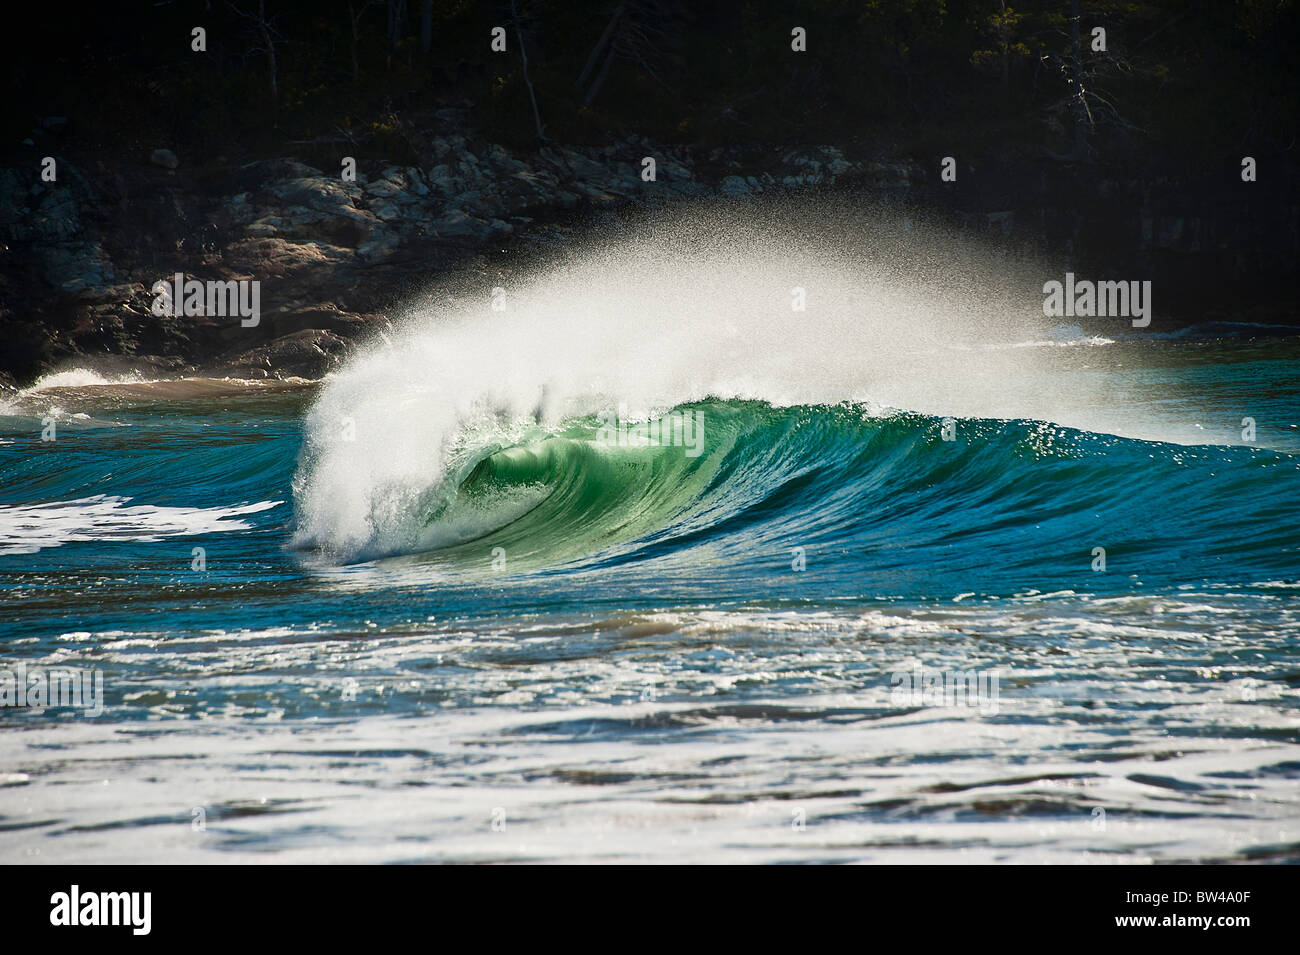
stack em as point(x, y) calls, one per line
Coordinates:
point(337, 259)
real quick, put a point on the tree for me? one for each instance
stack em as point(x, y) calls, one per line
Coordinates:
point(426, 27)
point(638, 32)
point(264, 29)
point(523, 53)
point(355, 14)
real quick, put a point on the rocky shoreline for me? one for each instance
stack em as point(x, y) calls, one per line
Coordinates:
point(79, 256)
point(82, 254)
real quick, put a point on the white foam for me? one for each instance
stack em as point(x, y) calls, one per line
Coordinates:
point(675, 312)
point(80, 378)
point(29, 528)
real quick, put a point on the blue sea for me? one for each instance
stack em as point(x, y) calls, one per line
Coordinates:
point(621, 574)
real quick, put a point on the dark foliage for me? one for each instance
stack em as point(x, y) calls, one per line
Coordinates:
point(1184, 83)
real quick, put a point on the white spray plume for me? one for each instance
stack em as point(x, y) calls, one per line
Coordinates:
point(672, 308)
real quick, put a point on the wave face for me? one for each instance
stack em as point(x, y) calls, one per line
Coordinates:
point(823, 429)
point(846, 494)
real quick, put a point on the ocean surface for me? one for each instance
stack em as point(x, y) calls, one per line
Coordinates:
point(447, 606)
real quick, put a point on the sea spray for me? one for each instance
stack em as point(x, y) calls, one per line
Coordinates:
point(670, 309)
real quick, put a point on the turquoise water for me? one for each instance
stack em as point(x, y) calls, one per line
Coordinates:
point(558, 647)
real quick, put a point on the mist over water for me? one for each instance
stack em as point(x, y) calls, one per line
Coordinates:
point(674, 309)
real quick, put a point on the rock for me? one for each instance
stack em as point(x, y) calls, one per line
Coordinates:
point(566, 200)
point(318, 194)
point(309, 353)
point(380, 244)
point(312, 209)
point(165, 158)
point(388, 211)
point(49, 225)
point(458, 225)
point(582, 168)
point(440, 177)
point(263, 173)
point(416, 179)
point(239, 207)
point(277, 257)
point(76, 267)
point(440, 147)
point(56, 217)
point(893, 175)
point(672, 169)
point(734, 186)
point(596, 194)
point(385, 187)
point(266, 227)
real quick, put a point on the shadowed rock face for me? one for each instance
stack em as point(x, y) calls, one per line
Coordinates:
point(80, 255)
point(308, 353)
point(83, 253)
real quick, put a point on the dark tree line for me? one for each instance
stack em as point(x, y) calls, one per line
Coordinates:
point(1186, 78)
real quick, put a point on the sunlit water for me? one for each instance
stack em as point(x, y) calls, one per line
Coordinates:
point(437, 618)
